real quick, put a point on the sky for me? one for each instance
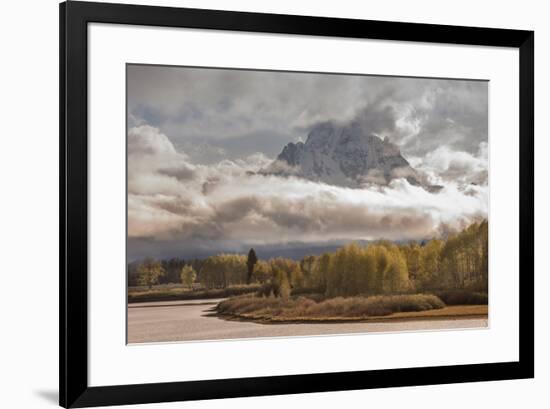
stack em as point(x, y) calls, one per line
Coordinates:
point(197, 137)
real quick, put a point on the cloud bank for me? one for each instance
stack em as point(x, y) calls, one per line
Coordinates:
point(222, 206)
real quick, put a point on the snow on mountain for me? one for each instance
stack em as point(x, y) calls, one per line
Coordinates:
point(345, 155)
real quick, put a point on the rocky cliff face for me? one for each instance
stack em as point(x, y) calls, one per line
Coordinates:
point(344, 156)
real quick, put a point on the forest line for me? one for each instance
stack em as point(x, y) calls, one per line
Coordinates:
point(459, 261)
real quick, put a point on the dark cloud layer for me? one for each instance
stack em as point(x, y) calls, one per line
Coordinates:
point(225, 112)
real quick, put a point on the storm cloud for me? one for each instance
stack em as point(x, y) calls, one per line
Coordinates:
point(214, 114)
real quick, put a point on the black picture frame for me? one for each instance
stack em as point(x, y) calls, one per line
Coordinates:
point(73, 349)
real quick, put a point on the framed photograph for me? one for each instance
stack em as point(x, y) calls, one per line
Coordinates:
point(257, 204)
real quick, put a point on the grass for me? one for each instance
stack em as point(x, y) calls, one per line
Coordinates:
point(273, 309)
point(177, 293)
point(453, 311)
point(445, 313)
point(156, 287)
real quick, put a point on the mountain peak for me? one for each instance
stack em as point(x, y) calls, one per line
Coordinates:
point(344, 155)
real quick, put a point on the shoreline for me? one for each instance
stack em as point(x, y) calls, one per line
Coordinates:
point(455, 312)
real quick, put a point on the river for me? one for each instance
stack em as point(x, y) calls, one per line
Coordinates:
point(191, 320)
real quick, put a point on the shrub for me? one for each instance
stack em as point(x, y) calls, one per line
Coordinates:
point(307, 291)
point(463, 297)
point(338, 307)
point(265, 290)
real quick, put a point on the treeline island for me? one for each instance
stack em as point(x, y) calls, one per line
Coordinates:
point(436, 278)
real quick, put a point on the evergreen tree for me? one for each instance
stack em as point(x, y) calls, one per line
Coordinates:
point(250, 263)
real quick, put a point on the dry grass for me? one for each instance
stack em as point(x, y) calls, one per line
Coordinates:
point(301, 308)
point(453, 311)
point(445, 313)
point(176, 293)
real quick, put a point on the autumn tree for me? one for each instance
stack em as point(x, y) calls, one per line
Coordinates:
point(429, 270)
point(320, 271)
point(335, 273)
point(222, 270)
point(368, 279)
point(296, 276)
point(396, 276)
point(464, 258)
point(172, 269)
point(484, 264)
point(382, 260)
point(188, 276)
point(306, 265)
point(285, 273)
point(262, 272)
point(352, 269)
point(284, 288)
point(411, 252)
point(149, 272)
